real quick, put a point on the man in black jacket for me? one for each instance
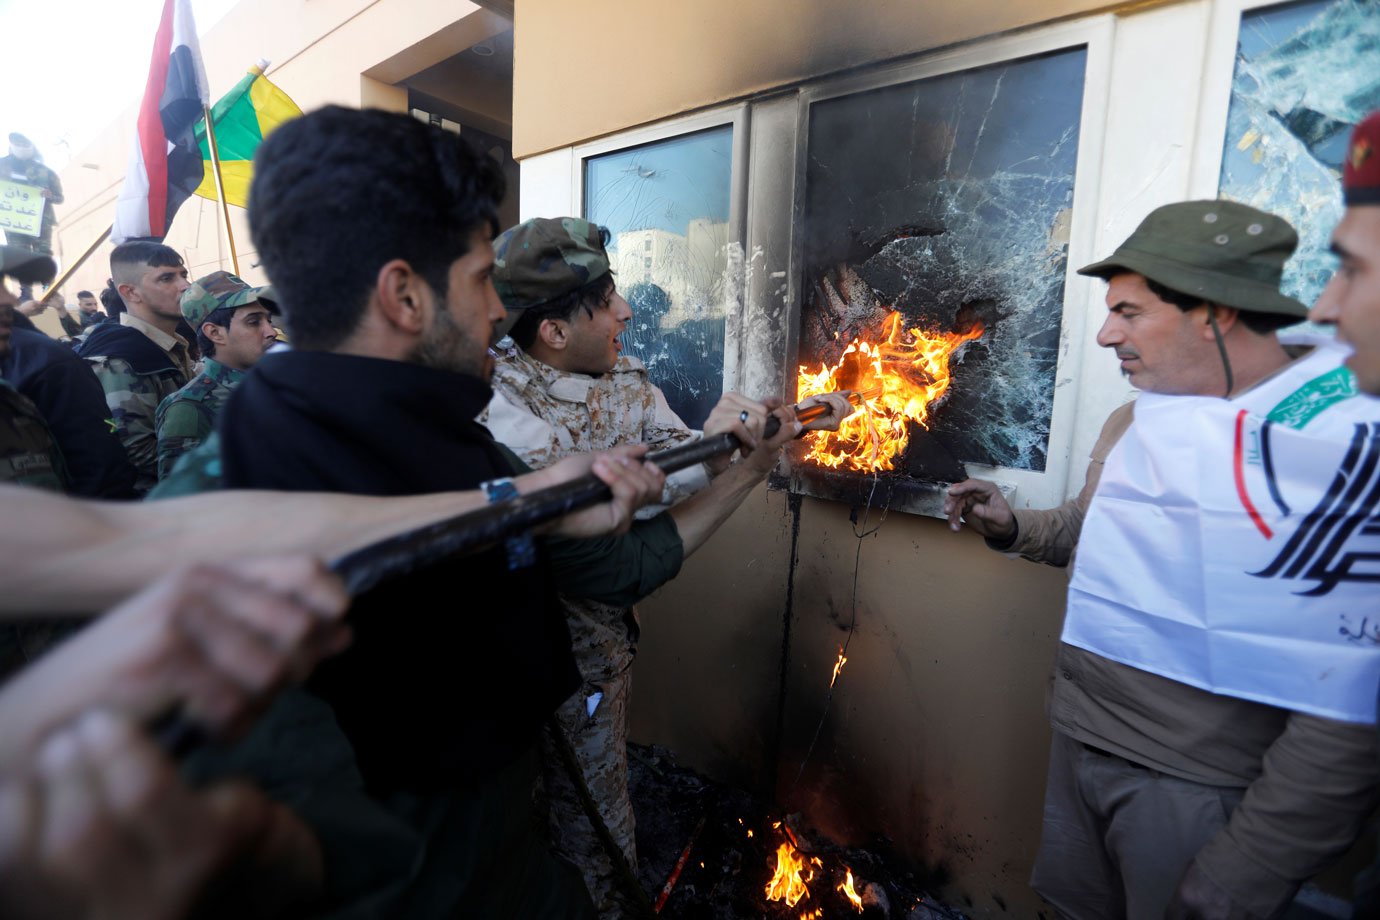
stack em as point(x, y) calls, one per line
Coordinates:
point(375, 230)
point(69, 396)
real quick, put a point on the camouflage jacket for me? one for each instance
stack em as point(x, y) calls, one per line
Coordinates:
point(543, 414)
point(28, 454)
point(187, 417)
point(138, 367)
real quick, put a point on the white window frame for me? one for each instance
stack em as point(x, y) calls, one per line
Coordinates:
point(1150, 134)
point(1224, 33)
point(1037, 488)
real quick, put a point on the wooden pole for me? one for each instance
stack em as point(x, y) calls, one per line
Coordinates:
point(220, 187)
point(67, 272)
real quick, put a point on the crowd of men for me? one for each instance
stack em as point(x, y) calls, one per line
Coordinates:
point(192, 724)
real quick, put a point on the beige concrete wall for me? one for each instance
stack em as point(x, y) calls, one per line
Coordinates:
point(668, 58)
point(349, 52)
point(936, 736)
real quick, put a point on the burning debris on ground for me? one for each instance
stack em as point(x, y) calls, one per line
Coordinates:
point(745, 860)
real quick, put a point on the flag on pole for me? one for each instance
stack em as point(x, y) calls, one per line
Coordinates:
point(165, 164)
point(242, 119)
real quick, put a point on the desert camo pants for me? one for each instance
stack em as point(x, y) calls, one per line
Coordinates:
point(600, 743)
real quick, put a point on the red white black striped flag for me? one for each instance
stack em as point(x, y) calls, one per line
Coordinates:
point(165, 166)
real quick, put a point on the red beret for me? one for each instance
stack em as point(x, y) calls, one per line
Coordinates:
point(1361, 171)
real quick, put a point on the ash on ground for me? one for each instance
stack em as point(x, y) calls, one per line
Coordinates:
point(728, 869)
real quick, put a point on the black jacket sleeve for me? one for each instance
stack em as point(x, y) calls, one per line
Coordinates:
point(72, 402)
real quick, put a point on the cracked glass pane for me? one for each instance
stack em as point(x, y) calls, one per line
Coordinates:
point(949, 200)
point(666, 206)
point(1305, 74)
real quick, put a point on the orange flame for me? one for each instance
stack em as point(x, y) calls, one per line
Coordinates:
point(838, 666)
point(911, 369)
point(788, 884)
point(847, 888)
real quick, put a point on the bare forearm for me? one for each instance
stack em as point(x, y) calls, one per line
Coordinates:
point(83, 556)
point(700, 515)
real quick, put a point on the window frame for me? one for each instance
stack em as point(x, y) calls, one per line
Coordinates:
point(1118, 179)
point(734, 116)
point(1219, 67)
point(1094, 33)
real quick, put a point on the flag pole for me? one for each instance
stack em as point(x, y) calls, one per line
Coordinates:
point(69, 270)
point(220, 186)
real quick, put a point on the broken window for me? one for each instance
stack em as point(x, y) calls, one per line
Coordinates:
point(666, 205)
point(1305, 74)
point(949, 199)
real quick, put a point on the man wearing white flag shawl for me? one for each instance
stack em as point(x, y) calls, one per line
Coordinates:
point(1214, 695)
point(1351, 302)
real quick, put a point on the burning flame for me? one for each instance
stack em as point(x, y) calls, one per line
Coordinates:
point(911, 369)
point(788, 884)
point(838, 666)
point(847, 888)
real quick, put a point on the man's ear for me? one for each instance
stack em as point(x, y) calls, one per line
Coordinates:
point(217, 334)
point(554, 334)
point(126, 292)
point(1226, 319)
point(404, 298)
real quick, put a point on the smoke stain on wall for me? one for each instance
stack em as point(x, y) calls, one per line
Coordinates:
point(794, 503)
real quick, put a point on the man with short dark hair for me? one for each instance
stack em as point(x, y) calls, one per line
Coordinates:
point(234, 328)
point(89, 309)
point(141, 360)
point(375, 230)
point(1201, 763)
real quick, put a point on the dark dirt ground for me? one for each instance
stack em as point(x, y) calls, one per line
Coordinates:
point(728, 869)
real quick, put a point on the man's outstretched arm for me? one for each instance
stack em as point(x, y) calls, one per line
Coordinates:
point(74, 557)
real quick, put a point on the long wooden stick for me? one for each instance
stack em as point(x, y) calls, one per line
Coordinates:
point(220, 186)
point(396, 556)
point(67, 272)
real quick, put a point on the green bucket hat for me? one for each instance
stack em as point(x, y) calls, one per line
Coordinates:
point(26, 267)
point(545, 258)
point(222, 289)
point(1226, 253)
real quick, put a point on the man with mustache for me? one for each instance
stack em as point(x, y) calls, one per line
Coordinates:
point(1165, 794)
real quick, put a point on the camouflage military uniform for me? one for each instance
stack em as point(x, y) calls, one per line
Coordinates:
point(28, 454)
point(136, 376)
point(543, 414)
point(187, 417)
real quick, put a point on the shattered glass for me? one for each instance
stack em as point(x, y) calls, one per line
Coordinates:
point(949, 199)
point(1306, 73)
point(666, 205)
